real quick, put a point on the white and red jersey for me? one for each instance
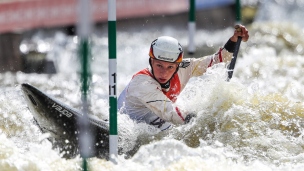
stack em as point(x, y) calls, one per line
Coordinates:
point(144, 100)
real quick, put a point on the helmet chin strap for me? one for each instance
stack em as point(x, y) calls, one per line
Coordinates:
point(167, 84)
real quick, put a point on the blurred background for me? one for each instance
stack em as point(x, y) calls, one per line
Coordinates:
point(28, 26)
point(253, 122)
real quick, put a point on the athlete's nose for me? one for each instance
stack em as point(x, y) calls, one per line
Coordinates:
point(164, 72)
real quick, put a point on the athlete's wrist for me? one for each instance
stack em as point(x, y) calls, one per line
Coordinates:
point(230, 46)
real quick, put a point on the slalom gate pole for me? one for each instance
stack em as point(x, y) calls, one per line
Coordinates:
point(238, 12)
point(113, 138)
point(238, 43)
point(84, 31)
point(191, 27)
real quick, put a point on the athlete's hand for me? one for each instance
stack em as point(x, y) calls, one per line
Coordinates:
point(240, 31)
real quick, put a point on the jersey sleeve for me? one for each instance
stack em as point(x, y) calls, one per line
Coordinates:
point(145, 90)
point(199, 65)
point(193, 67)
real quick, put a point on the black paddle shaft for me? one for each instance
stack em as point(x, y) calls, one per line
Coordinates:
point(233, 60)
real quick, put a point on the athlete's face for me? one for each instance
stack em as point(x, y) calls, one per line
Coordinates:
point(162, 70)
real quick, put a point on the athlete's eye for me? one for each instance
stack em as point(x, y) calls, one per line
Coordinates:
point(158, 65)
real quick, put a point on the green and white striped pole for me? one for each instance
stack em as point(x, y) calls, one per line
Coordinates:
point(84, 31)
point(113, 137)
point(238, 13)
point(191, 27)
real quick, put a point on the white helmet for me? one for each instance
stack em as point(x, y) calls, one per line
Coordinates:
point(167, 49)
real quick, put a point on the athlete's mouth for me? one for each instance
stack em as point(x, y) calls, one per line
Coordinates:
point(162, 80)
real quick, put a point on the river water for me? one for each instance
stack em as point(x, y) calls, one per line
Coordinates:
point(253, 122)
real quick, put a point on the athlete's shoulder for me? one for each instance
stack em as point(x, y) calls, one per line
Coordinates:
point(142, 80)
point(145, 71)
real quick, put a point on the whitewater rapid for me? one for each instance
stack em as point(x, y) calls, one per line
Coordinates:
point(253, 122)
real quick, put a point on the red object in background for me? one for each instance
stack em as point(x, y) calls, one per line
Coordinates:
point(28, 14)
